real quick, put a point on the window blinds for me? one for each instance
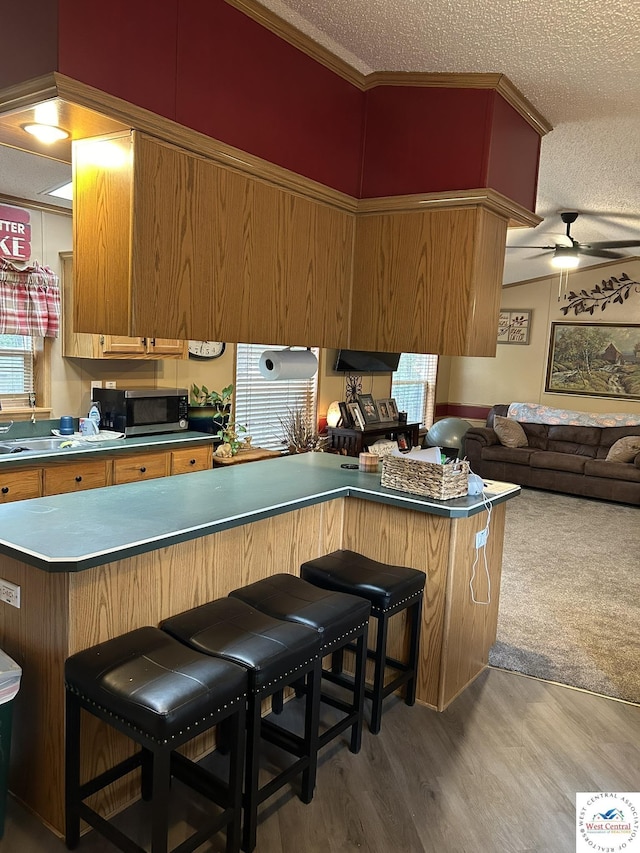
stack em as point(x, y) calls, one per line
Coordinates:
point(414, 386)
point(260, 402)
point(16, 369)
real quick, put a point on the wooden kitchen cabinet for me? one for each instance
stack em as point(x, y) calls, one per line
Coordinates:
point(190, 459)
point(181, 244)
point(74, 476)
point(20, 485)
point(80, 345)
point(140, 466)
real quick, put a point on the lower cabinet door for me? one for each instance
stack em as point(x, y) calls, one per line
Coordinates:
point(141, 466)
point(191, 459)
point(74, 477)
point(20, 485)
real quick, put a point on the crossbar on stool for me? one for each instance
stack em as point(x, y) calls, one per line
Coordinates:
point(275, 654)
point(390, 589)
point(161, 695)
point(340, 619)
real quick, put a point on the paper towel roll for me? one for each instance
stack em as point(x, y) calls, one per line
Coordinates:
point(288, 364)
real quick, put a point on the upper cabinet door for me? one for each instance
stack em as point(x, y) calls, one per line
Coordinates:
point(122, 345)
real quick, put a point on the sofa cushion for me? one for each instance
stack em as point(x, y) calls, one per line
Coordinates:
point(558, 461)
point(498, 453)
point(581, 440)
point(537, 435)
point(612, 434)
point(509, 432)
point(625, 449)
point(612, 470)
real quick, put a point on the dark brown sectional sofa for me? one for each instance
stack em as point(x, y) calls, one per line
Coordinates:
point(561, 458)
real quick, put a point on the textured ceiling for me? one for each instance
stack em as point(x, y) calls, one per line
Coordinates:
point(577, 61)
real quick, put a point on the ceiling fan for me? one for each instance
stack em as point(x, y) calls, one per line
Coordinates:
point(566, 250)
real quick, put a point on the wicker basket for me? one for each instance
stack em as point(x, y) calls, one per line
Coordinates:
point(425, 478)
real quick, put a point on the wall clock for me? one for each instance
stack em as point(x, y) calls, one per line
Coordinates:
point(206, 349)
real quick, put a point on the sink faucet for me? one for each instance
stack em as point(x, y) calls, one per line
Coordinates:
point(32, 404)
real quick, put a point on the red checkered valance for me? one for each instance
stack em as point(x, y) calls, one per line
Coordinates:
point(29, 300)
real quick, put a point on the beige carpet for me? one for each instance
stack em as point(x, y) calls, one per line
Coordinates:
point(570, 593)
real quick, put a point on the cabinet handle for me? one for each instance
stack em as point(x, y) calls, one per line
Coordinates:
point(192, 462)
point(78, 479)
point(5, 490)
point(142, 470)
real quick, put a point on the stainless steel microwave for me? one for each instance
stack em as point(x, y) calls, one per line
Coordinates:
point(143, 411)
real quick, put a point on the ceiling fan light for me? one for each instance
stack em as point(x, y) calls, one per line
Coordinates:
point(564, 260)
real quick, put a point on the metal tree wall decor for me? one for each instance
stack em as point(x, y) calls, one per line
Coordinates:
point(614, 290)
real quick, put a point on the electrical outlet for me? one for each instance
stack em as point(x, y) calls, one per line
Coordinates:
point(10, 593)
point(96, 383)
point(481, 537)
point(109, 384)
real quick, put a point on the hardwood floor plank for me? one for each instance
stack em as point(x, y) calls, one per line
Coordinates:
point(497, 772)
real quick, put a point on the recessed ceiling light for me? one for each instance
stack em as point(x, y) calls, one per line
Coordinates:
point(65, 191)
point(47, 133)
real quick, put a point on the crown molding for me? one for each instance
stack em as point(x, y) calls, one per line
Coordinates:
point(295, 37)
point(516, 214)
point(43, 206)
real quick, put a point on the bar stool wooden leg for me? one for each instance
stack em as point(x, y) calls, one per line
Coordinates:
point(415, 614)
point(72, 772)
point(378, 677)
point(160, 803)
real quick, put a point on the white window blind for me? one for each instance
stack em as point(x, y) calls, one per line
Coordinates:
point(414, 386)
point(16, 369)
point(260, 402)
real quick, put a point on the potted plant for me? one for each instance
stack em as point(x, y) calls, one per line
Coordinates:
point(300, 433)
point(230, 436)
point(209, 411)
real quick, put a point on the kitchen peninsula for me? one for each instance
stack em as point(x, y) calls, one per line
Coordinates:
point(95, 564)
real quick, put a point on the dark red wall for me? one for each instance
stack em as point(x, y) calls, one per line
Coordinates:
point(422, 139)
point(211, 68)
point(124, 47)
point(240, 83)
point(513, 155)
point(29, 46)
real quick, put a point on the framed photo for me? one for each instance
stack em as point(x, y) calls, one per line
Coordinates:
point(403, 442)
point(594, 359)
point(384, 412)
point(514, 325)
point(346, 420)
point(368, 406)
point(393, 409)
point(356, 415)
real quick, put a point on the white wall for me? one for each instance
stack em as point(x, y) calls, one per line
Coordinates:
point(518, 373)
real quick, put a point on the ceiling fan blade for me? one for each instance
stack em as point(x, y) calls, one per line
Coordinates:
point(548, 248)
point(610, 244)
point(601, 253)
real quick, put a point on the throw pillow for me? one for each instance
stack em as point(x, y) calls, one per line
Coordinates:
point(625, 449)
point(509, 432)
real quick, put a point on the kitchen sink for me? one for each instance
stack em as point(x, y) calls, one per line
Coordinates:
point(44, 445)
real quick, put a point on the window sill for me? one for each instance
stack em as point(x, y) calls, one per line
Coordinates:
point(23, 413)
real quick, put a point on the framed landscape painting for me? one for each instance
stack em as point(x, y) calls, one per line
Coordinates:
point(594, 359)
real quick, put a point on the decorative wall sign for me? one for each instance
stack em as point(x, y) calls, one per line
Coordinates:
point(611, 291)
point(594, 359)
point(513, 326)
point(15, 233)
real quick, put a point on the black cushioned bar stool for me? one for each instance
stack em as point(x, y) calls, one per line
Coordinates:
point(161, 694)
point(339, 618)
point(275, 654)
point(390, 589)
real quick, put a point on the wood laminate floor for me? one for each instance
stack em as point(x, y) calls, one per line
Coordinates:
point(495, 773)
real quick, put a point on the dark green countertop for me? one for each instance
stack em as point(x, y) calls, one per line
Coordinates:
point(72, 532)
point(162, 441)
